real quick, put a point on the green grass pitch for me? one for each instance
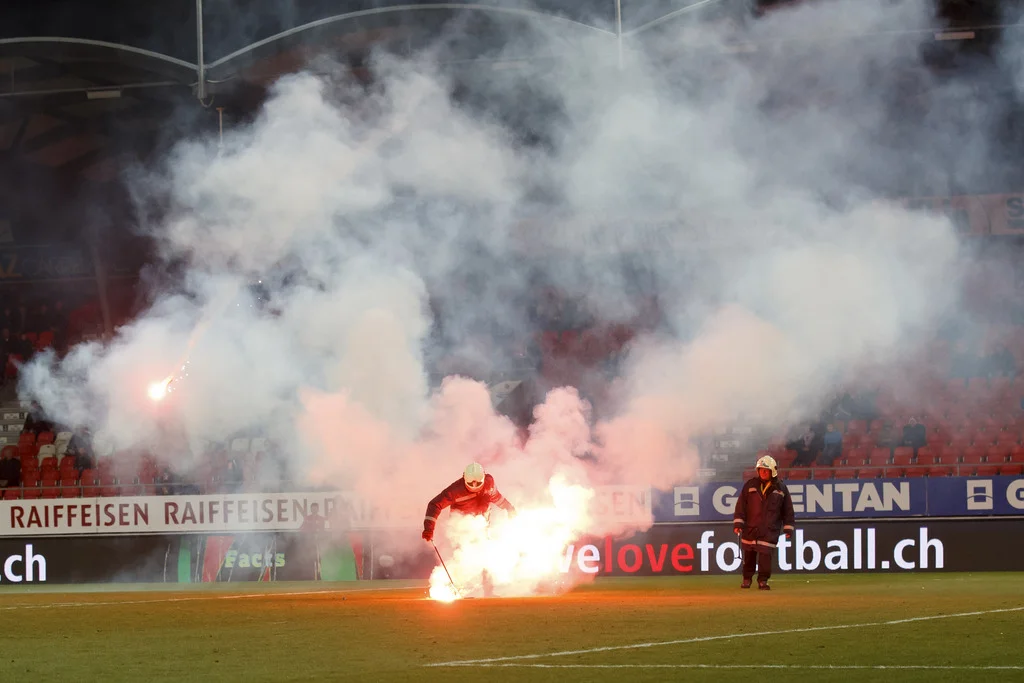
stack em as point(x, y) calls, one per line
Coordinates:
point(957, 627)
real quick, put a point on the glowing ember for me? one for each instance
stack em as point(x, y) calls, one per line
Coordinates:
point(158, 390)
point(518, 557)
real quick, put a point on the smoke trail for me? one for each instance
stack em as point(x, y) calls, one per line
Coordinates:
point(414, 225)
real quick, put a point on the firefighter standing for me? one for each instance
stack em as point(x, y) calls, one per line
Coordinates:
point(472, 494)
point(764, 509)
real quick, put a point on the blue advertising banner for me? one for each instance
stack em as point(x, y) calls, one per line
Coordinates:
point(855, 498)
point(962, 496)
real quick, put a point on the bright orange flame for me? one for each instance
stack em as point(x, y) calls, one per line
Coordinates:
point(158, 390)
point(520, 556)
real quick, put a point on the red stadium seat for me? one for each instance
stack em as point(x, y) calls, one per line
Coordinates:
point(45, 340)
point(12, 493)
point(822, 473)
point(44, 438)
point(9, 452)
point(916, 471)
point(903, 455)
point(987, 470)
point(998, 453)
point(109, 487)
point(846, 473)
point(798, 474)
point(69, 487)
point(26, 437)
point(90, 484)
point(1017, 454)
point(950, 455)
point(32, 492)
point(879, 456)
point(50, 487)
point(926, 455)
point(1009, 437)
point(1010, 470)
point(974, 454)
point(939, 471)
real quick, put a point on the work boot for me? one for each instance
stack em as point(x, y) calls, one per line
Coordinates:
point(763, 585)
point(745, 584)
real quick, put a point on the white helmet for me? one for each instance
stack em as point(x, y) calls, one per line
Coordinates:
point(768, 462)
point(474, 476)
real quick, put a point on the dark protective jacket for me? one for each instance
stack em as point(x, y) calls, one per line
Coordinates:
point(763, 511)
point(461, 499)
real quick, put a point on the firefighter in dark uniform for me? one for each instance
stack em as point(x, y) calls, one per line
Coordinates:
point(472, 494)
point(764, 509)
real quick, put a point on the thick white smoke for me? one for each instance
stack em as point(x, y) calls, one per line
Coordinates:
point(776, 265)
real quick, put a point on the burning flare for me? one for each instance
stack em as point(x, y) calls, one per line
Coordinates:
point(520, 556)
point(158, 390)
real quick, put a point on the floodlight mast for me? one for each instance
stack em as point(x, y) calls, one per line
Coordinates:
point(200, 64)
point(618, 29)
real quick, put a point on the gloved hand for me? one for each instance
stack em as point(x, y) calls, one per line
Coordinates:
point(428, 535)
point(789, 534)
point(738, 530)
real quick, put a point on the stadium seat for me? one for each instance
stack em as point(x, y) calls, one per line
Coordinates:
point(974, 454)
point(798, 474)
point(90, 484)
point(12, 493)
point(854, 438)
point(1017, 455)
point(879, 456)
point(109, 487)
point(950, 455)
point(48, 463)
point(915, 471)
point(926, 455)
point(856, 427)
point(940, 471)
point(987, 470)
point(846, 473)
point(902, 456)
point(69, 487)
point(44, 340)
point(822, 473)
point(50, 487)
point(45, 438)
point(9, 451)
point(1009, 437)
point(1010, 470)
point(998, 453)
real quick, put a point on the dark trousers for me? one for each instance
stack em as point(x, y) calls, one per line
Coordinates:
point(762, 561)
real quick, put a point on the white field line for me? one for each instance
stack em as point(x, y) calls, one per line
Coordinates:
point(194, 598)
point(827, 667)
point(728, 636)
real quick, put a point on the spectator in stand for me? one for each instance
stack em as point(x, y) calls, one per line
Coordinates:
point(806, 446)
point(914, 435)
point(10, 471)
point(80, 447)
point(833, 446)
point(36, 421)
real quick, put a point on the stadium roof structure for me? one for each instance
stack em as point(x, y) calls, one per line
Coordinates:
point(84, 83)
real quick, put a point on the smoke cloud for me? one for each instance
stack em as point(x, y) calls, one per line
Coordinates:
point(394, 226)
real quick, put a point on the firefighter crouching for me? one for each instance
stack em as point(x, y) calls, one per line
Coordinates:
point(764, 509)
point(472, 494)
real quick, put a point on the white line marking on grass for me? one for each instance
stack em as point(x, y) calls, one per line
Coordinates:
point(729, 636)
point(192, 598)
point(835, 667)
